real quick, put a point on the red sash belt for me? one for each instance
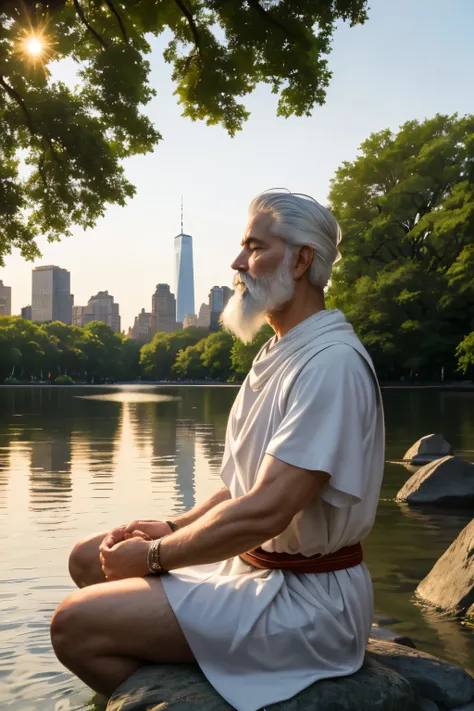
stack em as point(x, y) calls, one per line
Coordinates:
point(347, 557)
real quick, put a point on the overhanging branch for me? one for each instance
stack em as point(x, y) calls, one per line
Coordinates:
point(255, 4)
point(191, 23)
point(15, 96)
point(114, 11)
point(83, 18)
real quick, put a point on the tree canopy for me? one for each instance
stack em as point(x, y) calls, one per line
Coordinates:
point(49, 350)
point(406, 209)
point(95, 353)
point(61, 146)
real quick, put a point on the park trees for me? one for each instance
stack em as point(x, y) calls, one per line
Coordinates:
point(158, 356)
point(62, 146)
point(47, 350)
point(406, 208)
point(243, 354)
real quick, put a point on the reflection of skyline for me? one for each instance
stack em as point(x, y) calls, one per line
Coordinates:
point(185, 442)
point(50, 472)
point(5, 468)
point(185, 465)
point(79, 451)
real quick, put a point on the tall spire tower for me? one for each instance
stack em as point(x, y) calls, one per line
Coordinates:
point(183, 250)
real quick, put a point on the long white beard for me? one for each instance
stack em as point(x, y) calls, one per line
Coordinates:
point(248, 308)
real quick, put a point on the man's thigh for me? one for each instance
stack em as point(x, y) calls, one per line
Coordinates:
point(129, 617)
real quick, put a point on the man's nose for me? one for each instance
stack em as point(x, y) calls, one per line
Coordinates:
point(240, 263)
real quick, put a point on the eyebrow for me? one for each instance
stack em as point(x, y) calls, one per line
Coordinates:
point(247, 240)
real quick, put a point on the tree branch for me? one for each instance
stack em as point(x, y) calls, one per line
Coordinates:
point(255, 4)
point(119, 19)
point(15, 96)
point(80, 12)
point(191, 23)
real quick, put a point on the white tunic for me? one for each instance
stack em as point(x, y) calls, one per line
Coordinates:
point(260, 636)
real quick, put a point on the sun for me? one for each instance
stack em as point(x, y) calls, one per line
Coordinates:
point(34, 46)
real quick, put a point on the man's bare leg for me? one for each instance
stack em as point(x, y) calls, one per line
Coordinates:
point(105, 632)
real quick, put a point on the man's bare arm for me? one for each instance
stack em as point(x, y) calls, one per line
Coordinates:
point(200, 509)
point(238, 525)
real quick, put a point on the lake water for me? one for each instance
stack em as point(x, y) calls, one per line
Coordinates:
point(74, 461)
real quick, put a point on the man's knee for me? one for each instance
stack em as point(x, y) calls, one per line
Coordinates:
point(65, 628)
point(84, 563)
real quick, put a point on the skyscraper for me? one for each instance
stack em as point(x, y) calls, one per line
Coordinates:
point(5, 300)
point(101, 307)
point(163, 310)
point(51, 299)
point(141, 329)
point(183, 250)
point(218, 298)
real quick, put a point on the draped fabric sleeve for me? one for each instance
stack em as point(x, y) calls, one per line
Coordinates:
point(325, 423)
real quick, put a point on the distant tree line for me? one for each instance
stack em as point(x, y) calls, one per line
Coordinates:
point(48, 351)
point(54, 352)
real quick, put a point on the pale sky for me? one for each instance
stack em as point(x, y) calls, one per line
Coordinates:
point(412, 59)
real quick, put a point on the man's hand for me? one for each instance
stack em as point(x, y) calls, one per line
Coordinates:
point(126, 558)
point(154, 529)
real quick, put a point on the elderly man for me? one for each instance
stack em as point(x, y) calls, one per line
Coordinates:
point(263, 585)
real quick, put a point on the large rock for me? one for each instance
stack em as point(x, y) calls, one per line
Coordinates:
point(439, 681)
point(393, 678)
point(428, 448)
point(450, 583)
point(184, 688)
point(446, 481)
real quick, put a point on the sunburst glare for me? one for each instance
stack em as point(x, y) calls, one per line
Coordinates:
point(35, 46)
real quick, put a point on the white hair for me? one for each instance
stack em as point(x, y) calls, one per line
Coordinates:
point(301, 220)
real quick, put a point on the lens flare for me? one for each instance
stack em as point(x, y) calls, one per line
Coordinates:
point(34, 46)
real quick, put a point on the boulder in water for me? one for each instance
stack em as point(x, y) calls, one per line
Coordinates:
point(428, 448)
point(445, 481)
point(450, 583)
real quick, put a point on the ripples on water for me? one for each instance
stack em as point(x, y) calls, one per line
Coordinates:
point(74, 462)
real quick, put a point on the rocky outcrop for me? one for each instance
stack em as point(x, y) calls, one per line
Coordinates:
point(428, 448)
point(393, 678)
point(450, 583)
point(446, 481)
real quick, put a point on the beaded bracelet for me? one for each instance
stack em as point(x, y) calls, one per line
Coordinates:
point(153, 557)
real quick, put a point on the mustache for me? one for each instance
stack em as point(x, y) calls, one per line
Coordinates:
point(242, 279)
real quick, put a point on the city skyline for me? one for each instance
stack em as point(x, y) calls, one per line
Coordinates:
point(374, 86)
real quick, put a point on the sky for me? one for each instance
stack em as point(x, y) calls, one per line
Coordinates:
point(411, 60)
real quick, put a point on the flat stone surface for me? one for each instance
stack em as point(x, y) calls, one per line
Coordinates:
point(443, 683)
point(446, 481)
point(184, 688)
point(428, 448)
point(450, 583)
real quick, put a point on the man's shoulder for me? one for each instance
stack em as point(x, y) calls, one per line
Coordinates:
point(337, 356)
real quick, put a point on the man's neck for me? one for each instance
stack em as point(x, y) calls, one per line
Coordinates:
point(306, 302)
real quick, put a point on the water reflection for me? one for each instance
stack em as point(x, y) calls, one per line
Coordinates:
point(71, 466)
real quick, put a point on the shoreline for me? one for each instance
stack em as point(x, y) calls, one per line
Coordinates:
point(446, 387)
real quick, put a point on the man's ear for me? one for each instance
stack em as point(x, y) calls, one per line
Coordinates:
point(303, 260)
